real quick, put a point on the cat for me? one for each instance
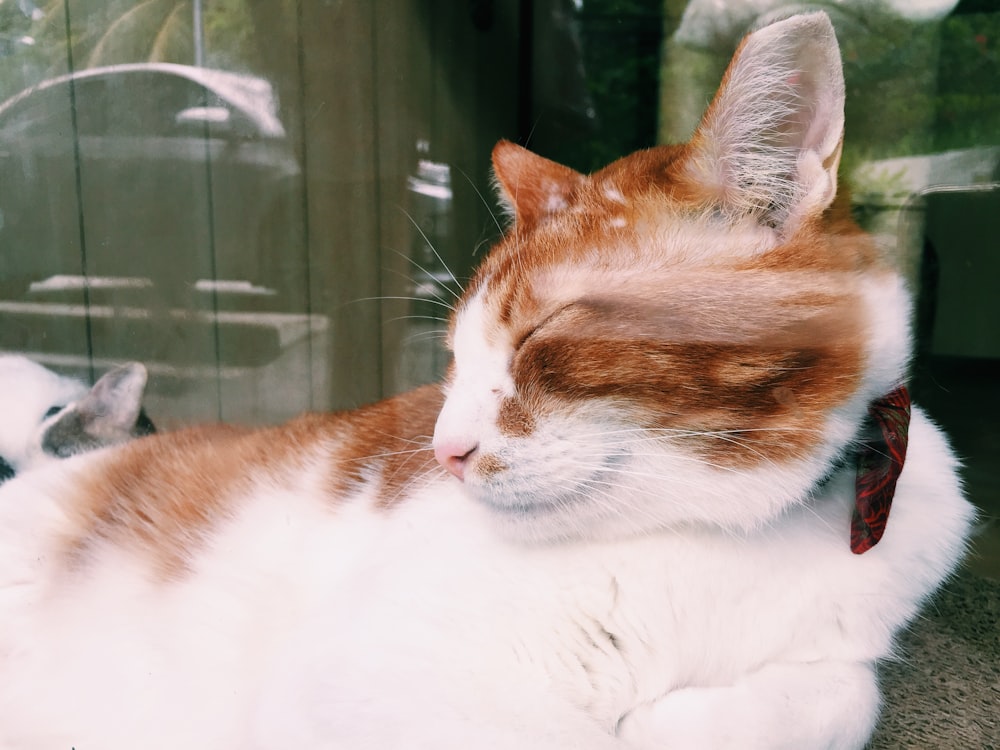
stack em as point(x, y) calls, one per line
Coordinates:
point(47, 416)
point(645, 509)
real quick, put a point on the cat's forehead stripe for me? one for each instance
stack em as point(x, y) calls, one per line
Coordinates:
point(767, 395)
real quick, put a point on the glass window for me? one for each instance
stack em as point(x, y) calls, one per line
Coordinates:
point(273, 204)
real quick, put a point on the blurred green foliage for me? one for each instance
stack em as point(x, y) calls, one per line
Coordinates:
point(968, 95)
point(922, 88)
point(912, 87)
point(620, 43)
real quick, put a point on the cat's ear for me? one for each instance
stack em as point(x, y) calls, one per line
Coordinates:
point(530, 186)
point(114, 403)
point(769, 145)
point(111, 412)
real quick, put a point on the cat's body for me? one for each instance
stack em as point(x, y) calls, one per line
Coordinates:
point(643, 537)
point(358, 626)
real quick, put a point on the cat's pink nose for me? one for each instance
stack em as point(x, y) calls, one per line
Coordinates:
point(454, 455)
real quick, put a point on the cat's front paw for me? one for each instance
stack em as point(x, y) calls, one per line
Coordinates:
point(682, 719)
point(783, 706)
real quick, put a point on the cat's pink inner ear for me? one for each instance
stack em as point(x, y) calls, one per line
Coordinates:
point(769, 144)
point(530, 186)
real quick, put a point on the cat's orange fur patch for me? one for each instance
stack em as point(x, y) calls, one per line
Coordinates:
point(163, 496)
point(513, 419)
point(488, 464)
point(393, 439)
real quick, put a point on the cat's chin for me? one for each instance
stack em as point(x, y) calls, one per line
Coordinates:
point(554, 505)
point(626, 496)
point(541, 519)
point(534, 516)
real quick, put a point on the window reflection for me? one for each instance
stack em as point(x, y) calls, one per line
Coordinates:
point(432, 288)
point(278, 227)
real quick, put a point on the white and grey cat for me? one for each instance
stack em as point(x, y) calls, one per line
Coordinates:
point(637, 534)
point(46, 415)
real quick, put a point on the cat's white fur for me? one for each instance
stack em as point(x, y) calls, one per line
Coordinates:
point(27, 392)
point(729, 614)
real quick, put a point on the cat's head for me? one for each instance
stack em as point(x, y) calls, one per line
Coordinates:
point(48, 416)
point(690, 335)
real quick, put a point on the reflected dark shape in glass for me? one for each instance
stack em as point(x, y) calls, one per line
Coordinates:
point(174, 169)
point(152, 211)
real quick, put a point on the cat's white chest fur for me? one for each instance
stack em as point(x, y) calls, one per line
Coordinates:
point(451, 624)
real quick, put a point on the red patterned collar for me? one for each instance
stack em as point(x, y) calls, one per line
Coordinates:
point(880, 460)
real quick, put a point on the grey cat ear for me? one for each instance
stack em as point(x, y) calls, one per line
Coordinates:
point(769, 145)
point(112, 406)
point(531, 187)
point(111, 412)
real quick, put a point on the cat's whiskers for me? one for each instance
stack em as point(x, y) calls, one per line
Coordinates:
point(387, 454)
point(430, 245)
point(635, 513)
point(598, 455)
point(433, 296)
point(621, 480)
point(589, 490)
point(436, 333)
point(640, 474)
point(479, 245)
point(422, 443)
point(435, 301)
point(811, 510)
point(615, 478)
point(603, 490)
point(639, 517)
point(626, 439)
point(435, 318)
point(489, 208)
point(658, 433)
point(727, 436)
point(427, 471)
point(623, 499)
point(694, 484)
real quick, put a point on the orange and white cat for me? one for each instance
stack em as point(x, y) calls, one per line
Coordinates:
point(637, 534)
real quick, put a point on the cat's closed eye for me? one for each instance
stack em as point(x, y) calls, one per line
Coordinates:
point(544, 323)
